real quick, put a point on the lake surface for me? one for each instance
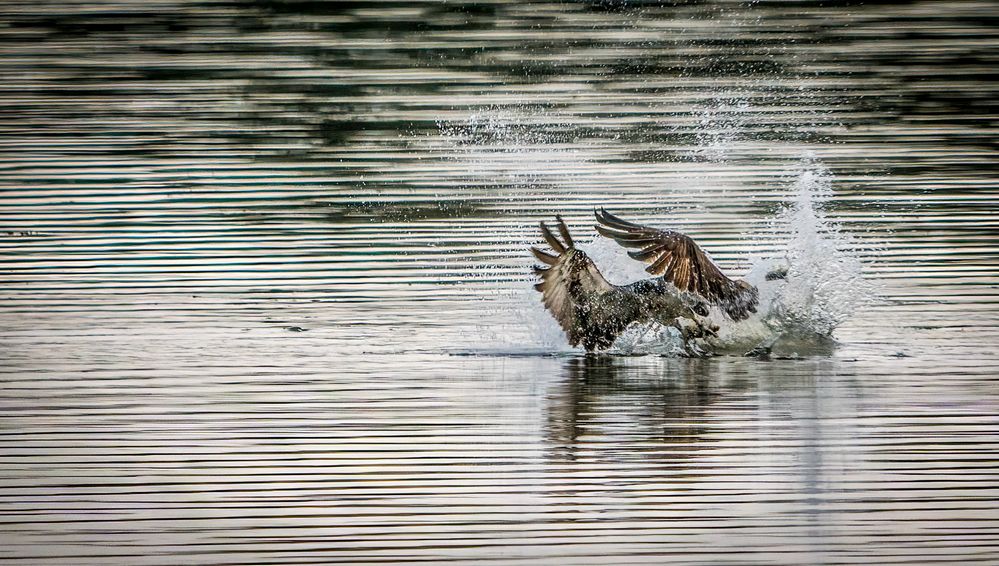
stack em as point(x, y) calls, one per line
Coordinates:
point(266, 295)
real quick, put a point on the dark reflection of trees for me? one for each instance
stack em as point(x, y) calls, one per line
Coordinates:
point(272, 80)
point(334, 112)
point(608, 408)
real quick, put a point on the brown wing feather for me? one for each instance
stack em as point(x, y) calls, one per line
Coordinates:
point(589, 309)
point(682, 262)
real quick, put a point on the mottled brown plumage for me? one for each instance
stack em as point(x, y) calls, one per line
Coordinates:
point(682, 262)
point(593, 312)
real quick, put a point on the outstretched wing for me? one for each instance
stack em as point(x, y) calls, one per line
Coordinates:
point(590, 310)
point(682, 262)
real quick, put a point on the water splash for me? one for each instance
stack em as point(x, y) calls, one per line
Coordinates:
point(823, 287)
point(654, 339)
point(825, 284)
point(720, 126)
point(517, 148)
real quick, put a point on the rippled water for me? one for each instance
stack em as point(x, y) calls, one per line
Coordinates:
point(266, 298)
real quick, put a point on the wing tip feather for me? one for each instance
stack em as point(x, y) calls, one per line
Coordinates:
point(551, 239)
point(544, 257)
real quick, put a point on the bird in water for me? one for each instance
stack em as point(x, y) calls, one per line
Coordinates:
point(593, 312)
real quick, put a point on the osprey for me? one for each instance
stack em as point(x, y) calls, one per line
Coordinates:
point(593, 312)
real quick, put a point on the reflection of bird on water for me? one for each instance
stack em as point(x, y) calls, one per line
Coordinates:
point(619, 409)
point(594, 312)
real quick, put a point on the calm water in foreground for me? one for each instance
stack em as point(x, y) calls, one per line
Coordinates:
point(264, 292)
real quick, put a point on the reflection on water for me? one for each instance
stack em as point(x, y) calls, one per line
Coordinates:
point(666, 403)
point(241, 240)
